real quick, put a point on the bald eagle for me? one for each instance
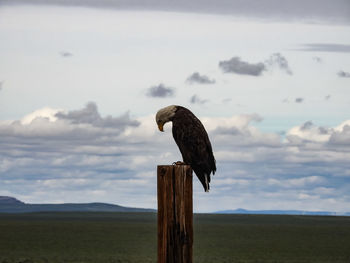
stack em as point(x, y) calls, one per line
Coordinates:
point(192, 140)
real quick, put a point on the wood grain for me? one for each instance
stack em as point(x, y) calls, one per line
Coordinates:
point(175, 214)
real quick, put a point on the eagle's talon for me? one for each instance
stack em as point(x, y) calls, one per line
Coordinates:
point(178, 163)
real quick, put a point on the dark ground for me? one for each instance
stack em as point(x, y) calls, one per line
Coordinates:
point(131, 237)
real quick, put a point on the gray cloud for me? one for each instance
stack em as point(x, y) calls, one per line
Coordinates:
point(299, 100)
point(343, 74)
point(306, 126)
point(336, 11)
point(277, 59)
point(341, 137)
point(90, 115)
point(236, 65)
point(317, 59)
point(160, 91)
point(196, 100)
point(323, 47)
point(66, 54)
point(232, 131)
point(323, 130)
point(328, 97)
point(200, 79)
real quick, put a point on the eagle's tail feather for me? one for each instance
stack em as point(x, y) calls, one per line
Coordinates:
point(203, 177)
point(207, 179)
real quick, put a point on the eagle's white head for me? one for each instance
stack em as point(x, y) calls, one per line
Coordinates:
point(164, 115)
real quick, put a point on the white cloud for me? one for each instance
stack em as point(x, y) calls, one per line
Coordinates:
point(67, 156)
point(342, 125)
point(46, 113)
point(341, 137)
point(308, 131)
point(239, 121)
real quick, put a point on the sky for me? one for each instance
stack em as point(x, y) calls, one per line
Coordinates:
point(81, 82)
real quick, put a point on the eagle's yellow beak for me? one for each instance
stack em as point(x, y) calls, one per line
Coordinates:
point(160, 127)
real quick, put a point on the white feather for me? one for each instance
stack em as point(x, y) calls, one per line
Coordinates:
point(206, 182)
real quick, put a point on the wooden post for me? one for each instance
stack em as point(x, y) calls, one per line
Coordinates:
point(175, 214)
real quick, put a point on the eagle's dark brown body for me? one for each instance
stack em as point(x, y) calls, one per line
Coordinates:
point(193, 142)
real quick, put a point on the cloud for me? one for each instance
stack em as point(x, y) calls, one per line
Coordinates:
point(310, 132)
point(329, 136)
point(306, 160)
point(325, 47)
point(60, 156)
point(341, 136)
point(317, 59)
point(335, 12)
point(236, 65)
point(328, 97)
point(343, 74)
point(44, 113)
point(239, 131)
point(90, 115)
point(1, 85)
point(306, 126)
point(196, 100)
point(160, 91)
point(200, 79)
point(226, 100)
point(66, 54)
point(299, 100)
point(64, 155)
point(276, 59)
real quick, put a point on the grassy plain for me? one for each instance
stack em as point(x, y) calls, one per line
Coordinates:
point(131, 237)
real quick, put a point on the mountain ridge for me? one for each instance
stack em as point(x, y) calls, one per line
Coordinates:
point(282, 212)
point(13, 205)
point(9, 200)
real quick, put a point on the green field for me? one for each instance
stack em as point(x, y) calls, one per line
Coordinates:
point(131, 237)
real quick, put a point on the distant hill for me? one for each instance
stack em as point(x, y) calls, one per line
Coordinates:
point(9, 200)
point(280, 212)
point(12, 205)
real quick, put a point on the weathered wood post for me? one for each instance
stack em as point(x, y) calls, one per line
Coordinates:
point(175, 214)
